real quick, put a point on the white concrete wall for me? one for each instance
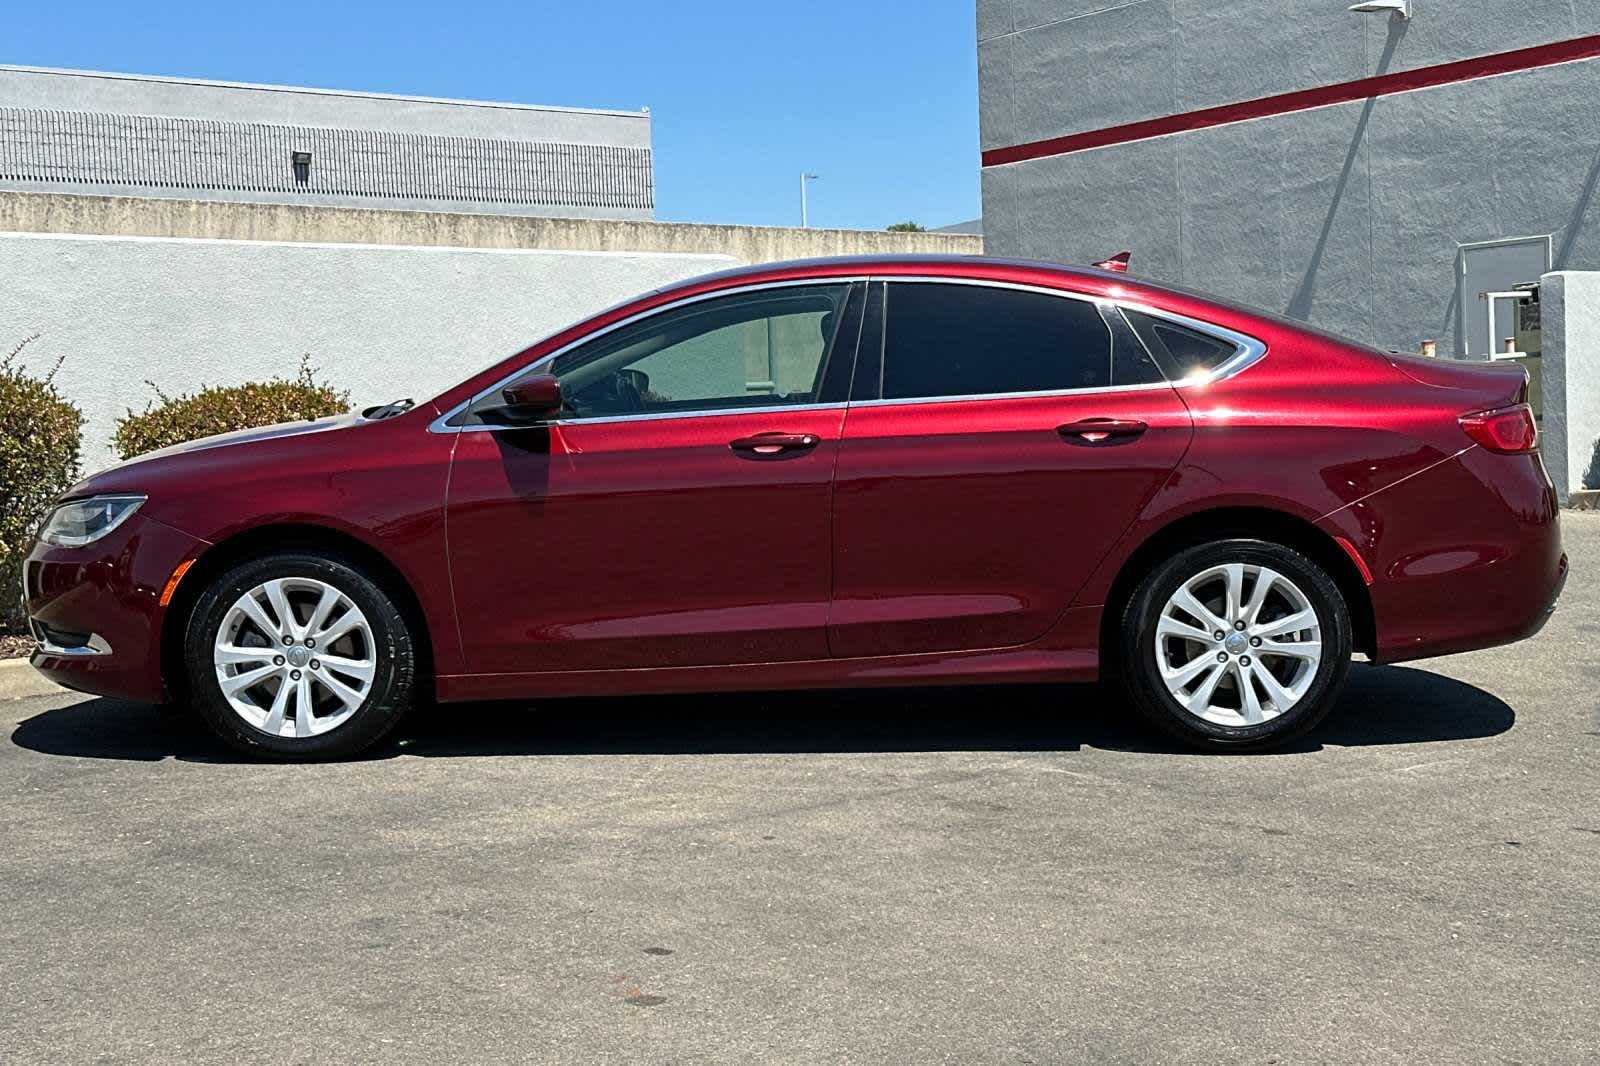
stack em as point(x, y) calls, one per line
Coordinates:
point(382, 321)
point(1570, 320)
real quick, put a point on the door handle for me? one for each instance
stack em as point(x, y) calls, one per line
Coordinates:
point(769, 444)
point(1101, 430)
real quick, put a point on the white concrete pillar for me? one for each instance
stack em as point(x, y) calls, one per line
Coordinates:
point(1570, 309)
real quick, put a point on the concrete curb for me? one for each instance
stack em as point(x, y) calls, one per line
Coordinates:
point(1584, 500)
point(19, 680)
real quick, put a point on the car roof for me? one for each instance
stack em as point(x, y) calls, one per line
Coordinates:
point(1085, 280)
point(975, 266)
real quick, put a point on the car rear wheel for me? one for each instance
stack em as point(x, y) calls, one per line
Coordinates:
point(1236, 644)
point(298, 656)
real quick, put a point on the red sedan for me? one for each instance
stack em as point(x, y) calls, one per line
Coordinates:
point(834, 473)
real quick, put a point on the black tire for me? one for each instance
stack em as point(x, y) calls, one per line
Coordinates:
point(394, 673)
point(1149, 693)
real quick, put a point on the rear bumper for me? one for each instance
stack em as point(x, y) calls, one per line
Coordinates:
point(1465, 556)
point(1550, 608)
point(96, 610)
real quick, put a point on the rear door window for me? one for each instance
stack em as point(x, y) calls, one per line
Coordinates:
point(946, 340)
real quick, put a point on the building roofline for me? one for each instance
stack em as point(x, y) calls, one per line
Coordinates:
point(308, 91)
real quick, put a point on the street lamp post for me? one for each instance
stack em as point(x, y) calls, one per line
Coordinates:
point(804, 222)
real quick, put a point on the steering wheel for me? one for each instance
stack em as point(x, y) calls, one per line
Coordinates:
point(618, 393)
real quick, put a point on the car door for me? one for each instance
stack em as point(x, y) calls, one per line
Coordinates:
point(677, 514)
point(999, 440)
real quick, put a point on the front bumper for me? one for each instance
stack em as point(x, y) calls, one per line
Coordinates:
point(96, 610)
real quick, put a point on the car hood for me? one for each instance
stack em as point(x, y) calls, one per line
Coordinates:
point(119, 475)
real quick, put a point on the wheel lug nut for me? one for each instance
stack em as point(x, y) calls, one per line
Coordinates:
point(288, 641)
point(310, 643)
point(315, 665)
point(294, 675)
point(1222, 656)
point(1220, 634)
point(1239, 624)
point(1255, 642)
point(1244, 660)
point(277, 660)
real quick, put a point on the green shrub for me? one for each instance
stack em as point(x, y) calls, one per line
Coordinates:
point(175, 419)
point(40, 434)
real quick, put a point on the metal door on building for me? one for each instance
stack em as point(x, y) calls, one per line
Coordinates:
point(1497, 292)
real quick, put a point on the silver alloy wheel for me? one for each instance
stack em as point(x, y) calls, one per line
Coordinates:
point(295, 657)
point(1238, 644)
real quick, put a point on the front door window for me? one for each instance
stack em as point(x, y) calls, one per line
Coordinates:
point(758, 349)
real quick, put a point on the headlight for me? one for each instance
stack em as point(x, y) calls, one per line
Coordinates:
point(81, 522)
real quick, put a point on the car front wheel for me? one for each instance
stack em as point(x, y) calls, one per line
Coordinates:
point(298, 656)
point(1236, 644)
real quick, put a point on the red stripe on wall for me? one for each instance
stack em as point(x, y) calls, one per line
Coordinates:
point(1543, 55)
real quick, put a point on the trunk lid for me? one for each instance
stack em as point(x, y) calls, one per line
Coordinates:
point(1482, 385)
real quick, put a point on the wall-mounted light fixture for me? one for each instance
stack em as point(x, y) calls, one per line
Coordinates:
point(1394, 7)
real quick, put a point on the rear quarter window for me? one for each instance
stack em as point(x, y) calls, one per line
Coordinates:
point(1179, 350)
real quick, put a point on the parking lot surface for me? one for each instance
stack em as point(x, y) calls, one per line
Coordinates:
point(978, 875)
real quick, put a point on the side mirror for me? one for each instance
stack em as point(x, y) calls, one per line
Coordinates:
point(530, 400)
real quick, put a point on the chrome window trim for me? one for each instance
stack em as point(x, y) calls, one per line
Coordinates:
point(1248, 350)
point(441, 424)
point(650, 417)
point(1014, 395)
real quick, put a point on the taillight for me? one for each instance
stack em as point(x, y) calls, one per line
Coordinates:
point(1508, 429)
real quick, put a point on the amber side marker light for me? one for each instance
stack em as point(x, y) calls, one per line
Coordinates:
point(172, 582)
point(1508, 430)
point(1355, 557)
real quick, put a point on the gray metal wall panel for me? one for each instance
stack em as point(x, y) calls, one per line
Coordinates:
point(1000, 213)
point(1325, 227)
point(109, 152)
point(1083, 65)
point(121, 134)
point(1230, 228)
point(994, 18)
point(1361, 206)
point(1100, 70)
point(1084, 207)
point(997, 125)
point(1233, 50)
point(1031, 14)
point(1433, 187)
point(132, 94)
point(1461, 29)
point(1547, 159)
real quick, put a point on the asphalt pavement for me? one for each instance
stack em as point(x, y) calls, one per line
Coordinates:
point(962, 875)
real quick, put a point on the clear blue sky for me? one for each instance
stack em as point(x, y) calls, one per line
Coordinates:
point(879, 97)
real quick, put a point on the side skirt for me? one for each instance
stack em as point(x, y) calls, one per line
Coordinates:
point(1068, 653)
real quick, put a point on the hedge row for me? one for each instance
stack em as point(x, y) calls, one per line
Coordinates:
point(41, 437)
point(170, 420)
